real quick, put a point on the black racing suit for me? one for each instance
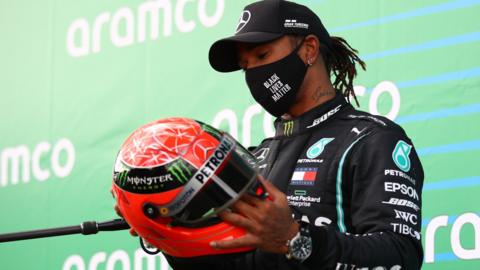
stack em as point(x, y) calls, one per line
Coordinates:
point(356, 178)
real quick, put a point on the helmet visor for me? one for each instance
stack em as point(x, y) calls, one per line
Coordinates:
point(223, 178)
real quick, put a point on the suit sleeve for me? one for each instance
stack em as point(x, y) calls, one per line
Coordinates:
point(244, 261)
point(382, 183)
point(196, 263)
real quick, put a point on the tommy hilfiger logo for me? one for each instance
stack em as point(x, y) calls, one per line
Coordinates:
point(304, 176)
point(294, 24)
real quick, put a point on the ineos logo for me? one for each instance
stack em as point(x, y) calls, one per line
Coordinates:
point(244, 19)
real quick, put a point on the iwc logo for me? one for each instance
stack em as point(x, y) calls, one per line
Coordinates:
point(401, 154)
point(244, 19)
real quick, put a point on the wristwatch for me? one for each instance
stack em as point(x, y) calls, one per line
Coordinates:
point(300, 246)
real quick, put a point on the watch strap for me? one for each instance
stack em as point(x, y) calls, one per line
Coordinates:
point(304, 231)
point(304, 228)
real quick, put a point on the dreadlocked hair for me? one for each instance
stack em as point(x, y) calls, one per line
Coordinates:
point(340, 60)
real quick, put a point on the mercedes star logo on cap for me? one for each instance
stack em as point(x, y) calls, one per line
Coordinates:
point(244, 19)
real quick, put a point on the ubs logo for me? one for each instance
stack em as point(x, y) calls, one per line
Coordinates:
point(244, 19)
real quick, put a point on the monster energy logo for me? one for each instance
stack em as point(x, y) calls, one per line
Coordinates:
point(180, 170)
point(288, 128)
point(149, 180)
point(212, 131)
point(121, 178)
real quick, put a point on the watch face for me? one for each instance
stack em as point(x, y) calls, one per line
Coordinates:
point(301, 248)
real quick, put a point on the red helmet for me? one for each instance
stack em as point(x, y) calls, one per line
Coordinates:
point(173, 176)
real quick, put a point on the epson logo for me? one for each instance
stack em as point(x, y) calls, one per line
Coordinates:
point(404, 189)
point(21, 160)
point(126, 27)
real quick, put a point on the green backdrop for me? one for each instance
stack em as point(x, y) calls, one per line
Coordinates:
point(76, 77)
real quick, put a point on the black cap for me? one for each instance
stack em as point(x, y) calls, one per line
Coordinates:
point(265, 21)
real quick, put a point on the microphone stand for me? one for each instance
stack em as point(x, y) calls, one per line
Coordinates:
point(85, 228)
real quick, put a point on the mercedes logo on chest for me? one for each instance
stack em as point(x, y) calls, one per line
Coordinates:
point(261, 154)
point(244, 19)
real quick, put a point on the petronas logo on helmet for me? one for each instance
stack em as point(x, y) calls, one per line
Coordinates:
point(401, 154)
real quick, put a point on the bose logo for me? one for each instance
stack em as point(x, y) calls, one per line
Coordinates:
point(325, 116)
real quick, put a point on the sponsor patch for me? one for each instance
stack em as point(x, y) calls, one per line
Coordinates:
point(400, 174)
point(304, 176)
point(243, 21)
point(357, 131)
point(291, 23)
point(324, 117)
point(309, 160)
point(261, 154)
point(407, 217)
point(402, 202)
point(405, 230)
point(288, 128)
point(404, 189)
point(317, 148)
point(374, 119)
point(214, 161)
point(346, 266)
point(154, 179)
point(401, 154)
point(300, 192)
point(302, 201)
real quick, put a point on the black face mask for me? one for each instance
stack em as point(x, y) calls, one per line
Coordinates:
point(275, 86)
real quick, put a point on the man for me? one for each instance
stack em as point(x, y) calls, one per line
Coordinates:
point(345, 186)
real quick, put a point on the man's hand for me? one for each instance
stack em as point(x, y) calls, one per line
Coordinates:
point(117, 210)
point(269, 223)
